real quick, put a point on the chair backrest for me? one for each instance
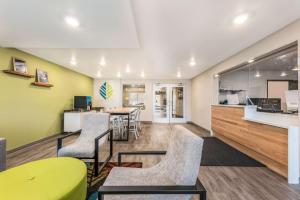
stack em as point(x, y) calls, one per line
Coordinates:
point(93, 125)
point(134, 115)
point(182, 162)
point(138, 114)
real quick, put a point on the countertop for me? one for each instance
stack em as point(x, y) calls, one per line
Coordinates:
point(272, 119)
point(227, 105)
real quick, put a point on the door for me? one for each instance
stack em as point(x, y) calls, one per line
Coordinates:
point(276, 89)
point(168, 105)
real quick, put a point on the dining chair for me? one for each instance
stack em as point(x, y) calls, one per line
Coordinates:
point(93, 135)
point(133, 123)
point(175, 177)
point(139, 119)
point(118, 124)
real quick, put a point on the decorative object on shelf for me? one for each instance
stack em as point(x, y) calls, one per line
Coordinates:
point(42, 76)
point(18, 68)
point(41, 79)
point(19, 65)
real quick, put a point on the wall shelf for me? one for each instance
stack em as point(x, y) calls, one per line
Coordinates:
point(42, 84)
point(18, 73)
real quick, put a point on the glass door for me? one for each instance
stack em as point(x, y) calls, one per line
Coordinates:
point(161, 108)
point(168, 106)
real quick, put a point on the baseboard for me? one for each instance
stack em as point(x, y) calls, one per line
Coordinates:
point(146, 122)
point(190, 122)
point(31, 144)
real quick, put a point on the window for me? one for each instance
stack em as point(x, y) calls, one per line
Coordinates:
point(134, 95)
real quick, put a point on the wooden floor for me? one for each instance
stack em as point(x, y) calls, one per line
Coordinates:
point(222, 183)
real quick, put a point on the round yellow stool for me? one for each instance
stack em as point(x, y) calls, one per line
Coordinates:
point(49, 179)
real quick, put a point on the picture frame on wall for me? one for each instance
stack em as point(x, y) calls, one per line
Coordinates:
point(42, 76)
point(19, 65)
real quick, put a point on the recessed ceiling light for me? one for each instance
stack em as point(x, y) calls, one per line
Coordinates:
point(143, 74)
point(178, 74)
point(251, 61)
point(283, 74)
point(72, 21)
point(119, 74)
point(128, 68)
point(216, 75)
point(99, 74)
point(240, 19)
point(295, 69)
point(257, 75)
point(73, 62)
point(102, 61)
point(282, 57)
point(192, 62)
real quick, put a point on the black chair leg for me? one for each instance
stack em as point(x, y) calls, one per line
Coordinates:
point(100, 196)
point(202, 196)
point(96, 166)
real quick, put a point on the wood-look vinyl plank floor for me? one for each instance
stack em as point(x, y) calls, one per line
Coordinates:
point(221, 183)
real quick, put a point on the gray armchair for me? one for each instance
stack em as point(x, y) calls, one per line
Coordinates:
point(94, 133)
point(174, 178)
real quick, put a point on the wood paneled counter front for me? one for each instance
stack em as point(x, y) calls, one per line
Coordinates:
point(265, 143)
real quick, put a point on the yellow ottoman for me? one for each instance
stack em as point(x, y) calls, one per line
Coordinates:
point(49, 179)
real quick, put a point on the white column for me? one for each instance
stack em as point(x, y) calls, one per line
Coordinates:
point(293, 155)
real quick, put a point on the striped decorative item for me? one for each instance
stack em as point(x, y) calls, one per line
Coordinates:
point(106, 90)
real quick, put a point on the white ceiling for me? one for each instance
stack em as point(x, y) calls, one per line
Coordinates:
point(155, 36)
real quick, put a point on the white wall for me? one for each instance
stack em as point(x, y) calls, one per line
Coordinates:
point(147, 114)
point(204, 90)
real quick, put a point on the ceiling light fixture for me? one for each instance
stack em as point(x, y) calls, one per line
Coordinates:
point(282, 57)
point(216, 75)
point(192, 62)
point(73, 62)
point(128, 68)
point(72, 21)
point(295, 69)
point(257, 75)
point(251, 61)
point(283, 74)
point(99, 74)
point(178, 74)
point(102, 62)
point(240, 19)
point(119, 74)
point(143, 74)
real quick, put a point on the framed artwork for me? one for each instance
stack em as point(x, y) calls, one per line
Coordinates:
point(19, 65)
point(42, 76)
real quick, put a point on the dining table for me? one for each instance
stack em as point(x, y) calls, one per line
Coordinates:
point(122, 111)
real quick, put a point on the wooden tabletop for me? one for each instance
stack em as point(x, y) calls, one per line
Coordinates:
point(121, 110)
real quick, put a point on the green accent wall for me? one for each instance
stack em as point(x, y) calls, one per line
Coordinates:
point(29, 113)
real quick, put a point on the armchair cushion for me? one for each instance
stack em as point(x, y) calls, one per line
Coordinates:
point(94, 124)
point(179, 167)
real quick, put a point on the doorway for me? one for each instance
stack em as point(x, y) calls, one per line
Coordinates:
point(168, 104)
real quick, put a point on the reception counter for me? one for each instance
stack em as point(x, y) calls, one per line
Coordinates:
point(271, 138)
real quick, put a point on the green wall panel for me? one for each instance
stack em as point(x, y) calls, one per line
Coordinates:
point(29, 113)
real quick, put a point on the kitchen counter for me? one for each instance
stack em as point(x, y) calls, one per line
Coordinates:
point(271, 138)
point(272, 119)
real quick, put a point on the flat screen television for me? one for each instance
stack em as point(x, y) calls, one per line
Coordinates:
point(82, 102)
